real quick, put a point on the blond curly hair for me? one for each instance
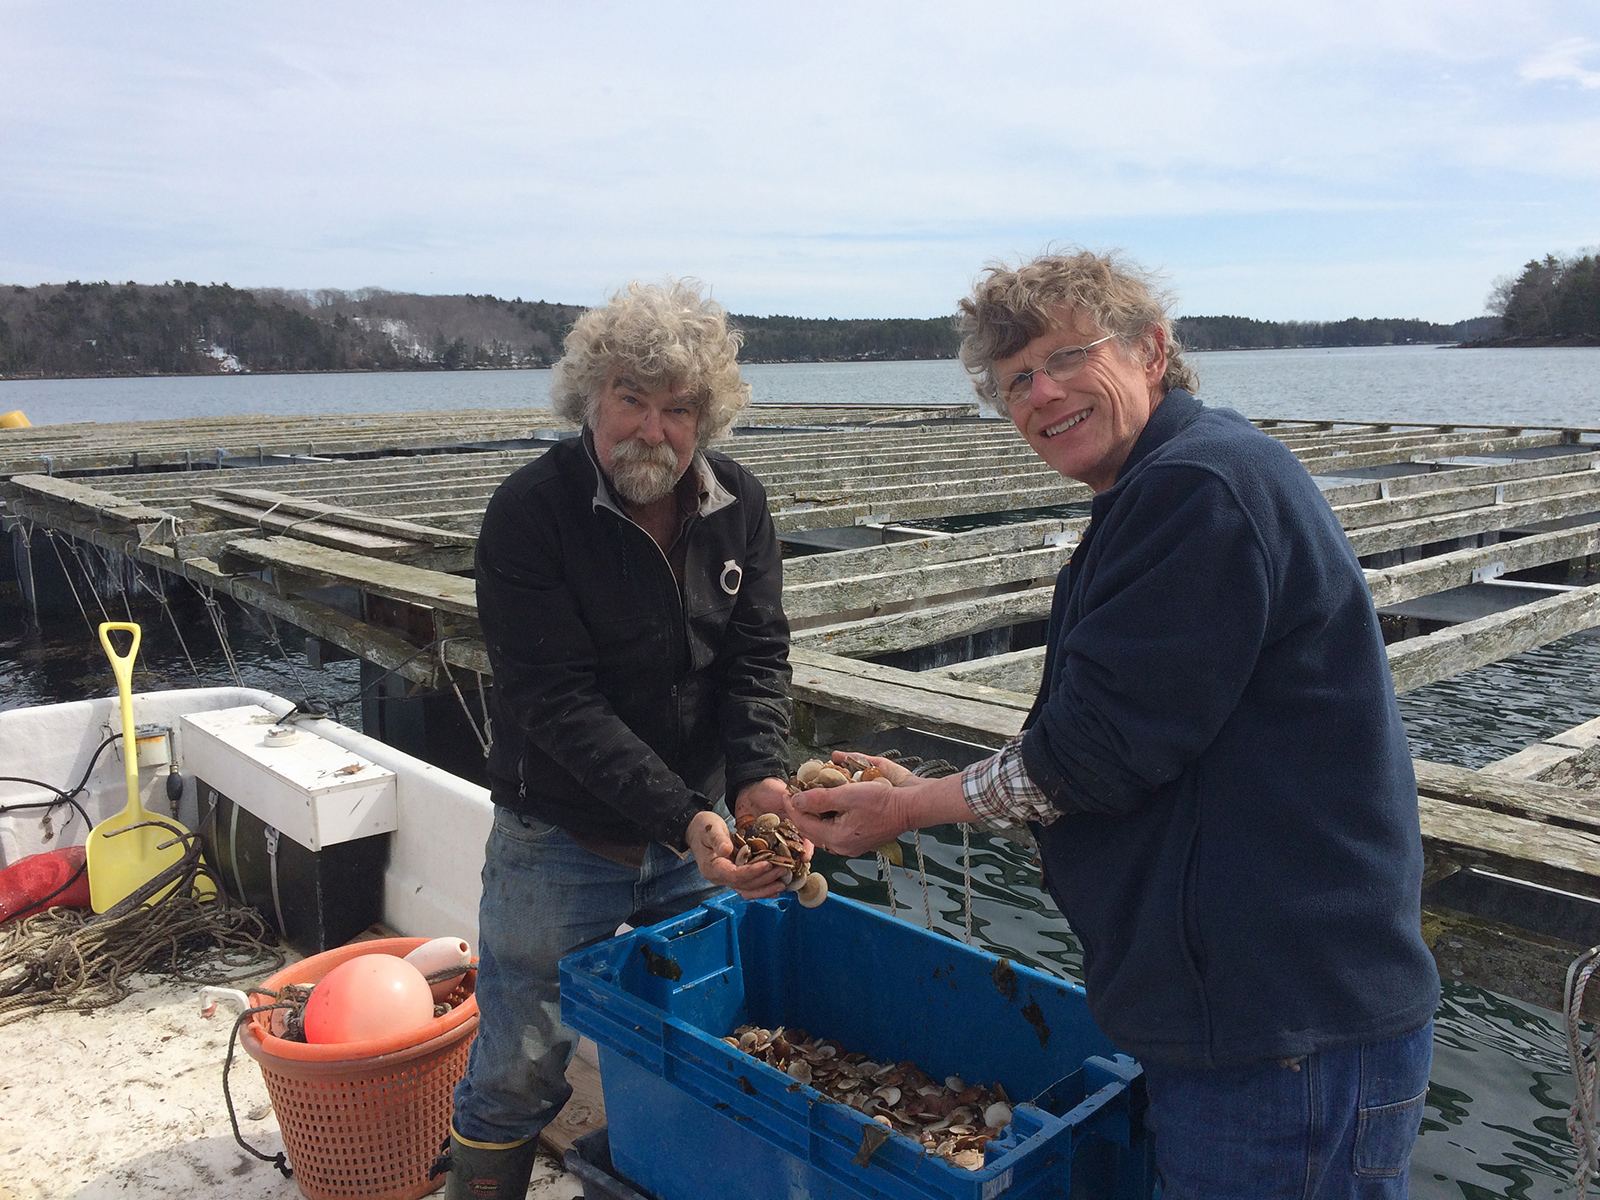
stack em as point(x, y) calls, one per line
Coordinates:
point(1010, 306)
point(668, 338)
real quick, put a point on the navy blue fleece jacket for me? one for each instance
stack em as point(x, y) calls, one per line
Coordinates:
point(1240, 853)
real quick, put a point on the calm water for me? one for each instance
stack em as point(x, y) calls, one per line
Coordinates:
point(1500, 1087)
point(1390, 383)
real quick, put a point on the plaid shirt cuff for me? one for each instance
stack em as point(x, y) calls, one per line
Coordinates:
point(999, 791)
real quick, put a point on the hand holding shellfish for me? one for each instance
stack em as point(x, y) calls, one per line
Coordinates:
point(714, 853)
point(854, 818)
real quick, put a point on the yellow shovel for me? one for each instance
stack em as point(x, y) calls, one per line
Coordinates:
point(120, 865)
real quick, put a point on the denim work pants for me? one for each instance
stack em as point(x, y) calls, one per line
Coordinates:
point(543, 896)
point(1331, 1126)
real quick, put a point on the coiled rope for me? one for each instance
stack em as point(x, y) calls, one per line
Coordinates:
point(67, 959)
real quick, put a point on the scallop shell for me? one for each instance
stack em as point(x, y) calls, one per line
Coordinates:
point(997, 1115)
point(813, 891)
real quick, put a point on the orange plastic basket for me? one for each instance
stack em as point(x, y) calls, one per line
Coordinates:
point(364, 1118)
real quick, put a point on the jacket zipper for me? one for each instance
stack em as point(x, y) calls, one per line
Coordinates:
point(677, 592)
point(682, 613)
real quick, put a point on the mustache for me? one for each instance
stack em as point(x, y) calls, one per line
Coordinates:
point(642, 473)
point(635, 452)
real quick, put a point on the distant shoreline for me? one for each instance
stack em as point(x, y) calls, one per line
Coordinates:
point(1582, 340)
point(1587, 341)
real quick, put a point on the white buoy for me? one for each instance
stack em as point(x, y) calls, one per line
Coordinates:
point(438, 954)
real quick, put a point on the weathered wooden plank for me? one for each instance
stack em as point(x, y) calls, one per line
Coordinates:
point(1391, 585)
point(887, 703)
point(1523, 849)
point(1329, 461)
point(102, 503)
point(1418, 661)
point(922, 681)
point(1019, 671)
point(398, 581)
point(356, 541)
point(1531, 762)
point(1542, 802)
point(1460, 499)
point(1488, 519)
point(899, 556)
point(927, 626)
point(920, 584)
point(1443, 475)
point(354, 519)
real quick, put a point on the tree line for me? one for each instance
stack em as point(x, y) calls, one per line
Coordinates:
point(184, 328)
point(1553, 300)
point(1245, 333)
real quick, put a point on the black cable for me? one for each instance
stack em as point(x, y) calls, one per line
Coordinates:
point(61, 797)
point(280, 1159)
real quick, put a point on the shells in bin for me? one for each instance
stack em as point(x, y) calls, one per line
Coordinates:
point(900, 1096)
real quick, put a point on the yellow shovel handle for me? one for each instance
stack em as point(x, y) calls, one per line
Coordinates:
point(122, 668)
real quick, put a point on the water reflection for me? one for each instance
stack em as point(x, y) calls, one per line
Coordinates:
point(1487, 714)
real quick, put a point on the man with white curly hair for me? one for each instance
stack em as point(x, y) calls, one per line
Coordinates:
point(629, 590)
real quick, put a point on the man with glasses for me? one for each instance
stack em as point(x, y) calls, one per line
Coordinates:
point(1215, 768)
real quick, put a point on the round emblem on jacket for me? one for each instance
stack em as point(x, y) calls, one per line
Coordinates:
point(732, 577)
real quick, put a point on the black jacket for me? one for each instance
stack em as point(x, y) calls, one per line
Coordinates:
point(621, 707)
point(1240, 854)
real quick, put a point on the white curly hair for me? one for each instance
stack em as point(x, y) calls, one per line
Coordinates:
point(668, 338)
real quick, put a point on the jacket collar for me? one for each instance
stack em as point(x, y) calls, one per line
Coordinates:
point(713, 497)
point(1176, 410)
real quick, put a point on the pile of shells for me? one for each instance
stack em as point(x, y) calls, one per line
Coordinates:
point(814, 774)
point(774, 839)
point(955, 1120)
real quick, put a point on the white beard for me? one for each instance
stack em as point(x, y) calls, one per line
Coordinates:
point(643, 474)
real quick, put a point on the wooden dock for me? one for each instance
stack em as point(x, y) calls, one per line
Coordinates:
point(1478, 543)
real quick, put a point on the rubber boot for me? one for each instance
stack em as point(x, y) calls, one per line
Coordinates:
point(487, 1170)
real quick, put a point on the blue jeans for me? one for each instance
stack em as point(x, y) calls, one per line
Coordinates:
point(1329, 1126)
point(543, 896)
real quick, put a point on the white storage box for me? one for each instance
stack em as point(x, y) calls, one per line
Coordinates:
point(309, 789)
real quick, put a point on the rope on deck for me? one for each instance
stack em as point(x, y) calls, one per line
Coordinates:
point(69, 959)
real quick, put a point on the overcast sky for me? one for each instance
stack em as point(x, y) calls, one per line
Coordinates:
point(1275, 159)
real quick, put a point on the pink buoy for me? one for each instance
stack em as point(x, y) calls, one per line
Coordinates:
point(372, 996)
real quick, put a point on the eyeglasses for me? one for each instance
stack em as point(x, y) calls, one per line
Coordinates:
point(1060, 366)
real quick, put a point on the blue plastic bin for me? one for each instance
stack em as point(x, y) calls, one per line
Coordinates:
point(690, 1117)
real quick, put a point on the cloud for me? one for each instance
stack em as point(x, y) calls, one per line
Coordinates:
point(834, 159)
point(1562, 62)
